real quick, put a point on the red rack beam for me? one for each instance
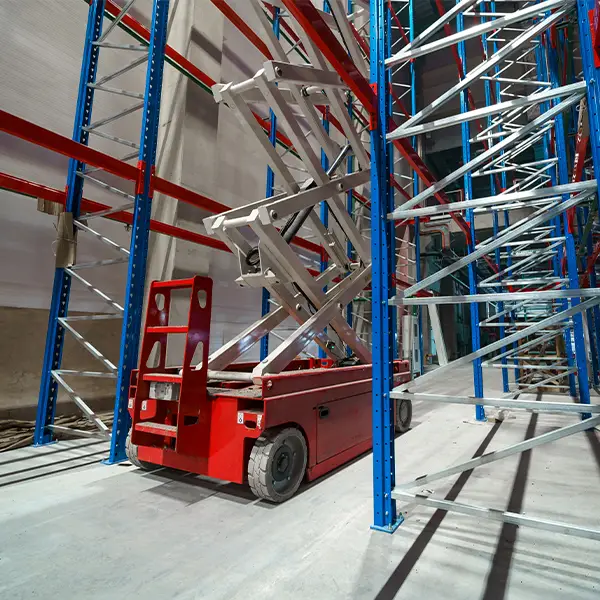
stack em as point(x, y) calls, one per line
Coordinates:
point(55, 142)
point(181, 61)
point(319, 32)
point(40, 136)
point(242, 26)
point(36, 190)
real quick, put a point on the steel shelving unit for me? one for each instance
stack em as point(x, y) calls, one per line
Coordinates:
point(86, 164)
point(533, 269)
point(76, 223)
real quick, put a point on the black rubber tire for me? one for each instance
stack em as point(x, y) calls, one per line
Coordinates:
point(132, 454)
point(277, 464)
point(403, 415)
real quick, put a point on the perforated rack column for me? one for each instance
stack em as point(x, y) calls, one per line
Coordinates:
point(136, 276)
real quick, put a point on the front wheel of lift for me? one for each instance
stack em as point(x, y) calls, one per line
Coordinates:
point(403, 415)
point(132, 454)
point(277, 464)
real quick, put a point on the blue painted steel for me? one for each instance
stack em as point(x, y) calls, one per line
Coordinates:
point(570, 250)
point(266, 305)
point(385, 517)
point(504, 184)
point(393, 261)
point(494, 191)
point(324, 213)
point(583, 214)
point(349, 197)
point(470, 218)
point(542, 74)
point(62, 281)
point(417, 228)
point(134, 294)
point(592, 77)
point(324, 210)
point(350, 209)
point(264, 309)
point(591, 74)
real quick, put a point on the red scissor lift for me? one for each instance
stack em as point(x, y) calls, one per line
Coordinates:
point(303, 422)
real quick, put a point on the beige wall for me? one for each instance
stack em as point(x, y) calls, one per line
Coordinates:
point(22, 351)
point(201, 147)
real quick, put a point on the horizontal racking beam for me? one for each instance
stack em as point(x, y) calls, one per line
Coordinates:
point(35, 190)
point(40, 136)
point(500, 515)
point(530, 405)
point(529, 444)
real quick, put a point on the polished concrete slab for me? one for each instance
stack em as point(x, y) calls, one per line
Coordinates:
point(73, 528)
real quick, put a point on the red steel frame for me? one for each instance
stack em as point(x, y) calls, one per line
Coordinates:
point(55, 142)
point(315, 27)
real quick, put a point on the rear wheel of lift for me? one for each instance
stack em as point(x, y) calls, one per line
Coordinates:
point(403, 415)
point(277, 464)
point(132, 454)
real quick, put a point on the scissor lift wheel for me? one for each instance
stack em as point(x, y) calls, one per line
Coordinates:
point(132, 454)
point(277, 464)
point(403, 415)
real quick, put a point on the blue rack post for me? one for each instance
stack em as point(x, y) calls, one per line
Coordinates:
point(324, 210)
point(266, 297)
point(382, 236)
point(570, 250)
point(350, 193)
point(62, 281)
point(417, 229)
point(592, 78)
point(470, 218)
point(585, 10)
point(140, 231)
point(494, 187)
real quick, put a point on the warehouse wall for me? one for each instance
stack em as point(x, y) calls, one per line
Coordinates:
point(202, 147)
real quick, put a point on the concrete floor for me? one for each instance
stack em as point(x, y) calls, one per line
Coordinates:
point(73, 528)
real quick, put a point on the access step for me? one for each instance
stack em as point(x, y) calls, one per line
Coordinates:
point(166, 377)
point(157, 428)
point(168, 329)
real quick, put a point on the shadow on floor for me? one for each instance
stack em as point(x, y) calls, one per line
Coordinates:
point(32, 452)
point(497, 579)
point(406, 565)
point(189, 488)
point(594, 439)
point(46, 469)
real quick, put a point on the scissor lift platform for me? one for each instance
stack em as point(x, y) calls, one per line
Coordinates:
point(269, 433)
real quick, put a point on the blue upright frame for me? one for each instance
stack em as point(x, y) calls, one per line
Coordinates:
point(570, 250)
point(494, 187)
point(470, 218)
point(413, 110)
point(591, 74)
point(61, 290)
point(382, 253)
point(140, 230)
point(592, 77)
point(270, 185)
point(350, 197)
point(134, 294)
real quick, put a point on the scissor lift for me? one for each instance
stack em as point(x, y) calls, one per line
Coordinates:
point(269, 431)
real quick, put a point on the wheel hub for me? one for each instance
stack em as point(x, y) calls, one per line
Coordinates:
point(282, 466)
point(403, 412)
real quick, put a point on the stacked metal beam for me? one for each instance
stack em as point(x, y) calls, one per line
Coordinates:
point(541, 303)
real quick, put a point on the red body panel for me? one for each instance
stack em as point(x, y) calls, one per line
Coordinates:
point(211, 430)
point(331, 406)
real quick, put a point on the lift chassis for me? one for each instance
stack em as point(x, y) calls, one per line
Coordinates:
point(269, 432)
